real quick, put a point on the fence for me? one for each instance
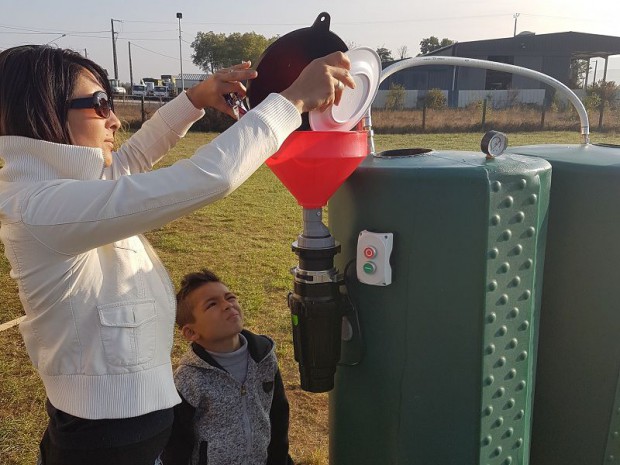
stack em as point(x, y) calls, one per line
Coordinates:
point(523, 109)
point(477, 110)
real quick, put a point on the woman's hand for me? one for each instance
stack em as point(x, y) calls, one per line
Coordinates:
point(211, 91)
point(321, 83)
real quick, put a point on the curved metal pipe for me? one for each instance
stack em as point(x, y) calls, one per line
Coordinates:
point(474, 63)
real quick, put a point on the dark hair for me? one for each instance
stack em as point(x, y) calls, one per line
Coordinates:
point(189, 283)
point(36, 83)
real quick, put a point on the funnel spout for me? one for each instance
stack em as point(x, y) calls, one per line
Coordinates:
point(315, 235)
point(313, 223)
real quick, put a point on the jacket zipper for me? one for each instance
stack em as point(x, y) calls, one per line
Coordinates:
point(246, 421)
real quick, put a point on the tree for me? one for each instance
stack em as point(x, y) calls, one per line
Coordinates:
point(402, 52)
point(385, 54)
point(395, 99)
point(604, 92)
point(432, 43)
point(578, 69)
point(214, 51)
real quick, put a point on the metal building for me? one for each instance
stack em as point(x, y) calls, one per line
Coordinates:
point(551, 54)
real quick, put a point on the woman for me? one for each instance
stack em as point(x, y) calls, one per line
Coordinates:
point(99, 305)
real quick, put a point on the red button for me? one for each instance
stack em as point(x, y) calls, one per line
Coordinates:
point(370, 252)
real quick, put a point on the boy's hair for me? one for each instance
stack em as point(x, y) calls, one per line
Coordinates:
point(189, 283)
point(36, 85)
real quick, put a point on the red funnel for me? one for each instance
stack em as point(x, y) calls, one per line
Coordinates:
point(313, 164)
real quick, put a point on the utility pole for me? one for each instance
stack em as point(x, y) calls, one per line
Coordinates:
point(515, 16)
point(130, 67)
point(114, 48)
point(595, 68)
point(179, 16)
point(85, 54)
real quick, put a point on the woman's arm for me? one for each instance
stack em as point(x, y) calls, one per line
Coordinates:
point(155, 138)
point(172, 121)
point(72, 216)
point(75, 216)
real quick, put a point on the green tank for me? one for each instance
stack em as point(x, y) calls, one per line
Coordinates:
point(448, 348)
point(577, 400)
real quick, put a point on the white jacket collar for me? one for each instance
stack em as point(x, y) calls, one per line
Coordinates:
point(28, 159)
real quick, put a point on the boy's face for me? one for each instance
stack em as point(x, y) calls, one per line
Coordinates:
point(218, 318)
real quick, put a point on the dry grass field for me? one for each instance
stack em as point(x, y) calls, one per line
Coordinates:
point(246, 238)
point(515, 119)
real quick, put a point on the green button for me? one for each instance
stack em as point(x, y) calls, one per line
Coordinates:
point(295, 320)
point(369, 267)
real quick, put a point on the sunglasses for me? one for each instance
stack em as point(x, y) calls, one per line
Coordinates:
point(99, 101)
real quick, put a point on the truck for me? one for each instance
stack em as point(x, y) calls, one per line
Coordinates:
point(150, 88)
point(138, 90)
point(160, 91)
point(169, 81)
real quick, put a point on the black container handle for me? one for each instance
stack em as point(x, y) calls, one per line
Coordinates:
point(321, 23)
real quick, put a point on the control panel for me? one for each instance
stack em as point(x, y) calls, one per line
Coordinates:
point(373, 258)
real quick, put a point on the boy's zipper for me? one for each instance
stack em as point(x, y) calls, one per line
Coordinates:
point(247, 428)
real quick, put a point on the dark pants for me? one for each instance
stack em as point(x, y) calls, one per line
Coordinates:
point(142, 453)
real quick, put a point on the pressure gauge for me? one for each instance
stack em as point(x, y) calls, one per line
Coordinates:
point(494, 143)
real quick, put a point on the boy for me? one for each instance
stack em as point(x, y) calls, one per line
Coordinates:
point(234, 409)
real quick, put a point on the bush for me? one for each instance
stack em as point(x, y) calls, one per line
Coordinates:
point(435, 99)
point(602, 93)
point(395, 98)
point(592, 102)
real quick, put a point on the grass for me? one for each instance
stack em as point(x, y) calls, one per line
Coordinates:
point(247, 239)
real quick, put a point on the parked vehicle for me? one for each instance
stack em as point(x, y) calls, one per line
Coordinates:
point(138, 90)
point(117, 89)
point(150, 88)
point(160, 91)
point(169, 81)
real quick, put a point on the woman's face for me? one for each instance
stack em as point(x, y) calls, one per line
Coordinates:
point(86, 127)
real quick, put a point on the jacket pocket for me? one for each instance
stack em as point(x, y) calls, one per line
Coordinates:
point(128, 331)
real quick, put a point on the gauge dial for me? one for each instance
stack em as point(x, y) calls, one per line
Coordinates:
point(494, 143)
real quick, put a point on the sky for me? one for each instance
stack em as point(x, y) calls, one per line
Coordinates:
point(152, 26)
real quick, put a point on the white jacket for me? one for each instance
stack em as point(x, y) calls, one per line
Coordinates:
point(99, 305)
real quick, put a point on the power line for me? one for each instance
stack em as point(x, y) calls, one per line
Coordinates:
point(564, 17)
point(49, 31)
point(148, 32)
point(157, 53)
point(150, 39)
point(254, 23)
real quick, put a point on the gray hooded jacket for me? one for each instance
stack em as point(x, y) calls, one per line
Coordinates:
point(224, 422)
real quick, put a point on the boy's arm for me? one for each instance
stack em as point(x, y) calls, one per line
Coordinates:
point(277, 453)
point(178, 451)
